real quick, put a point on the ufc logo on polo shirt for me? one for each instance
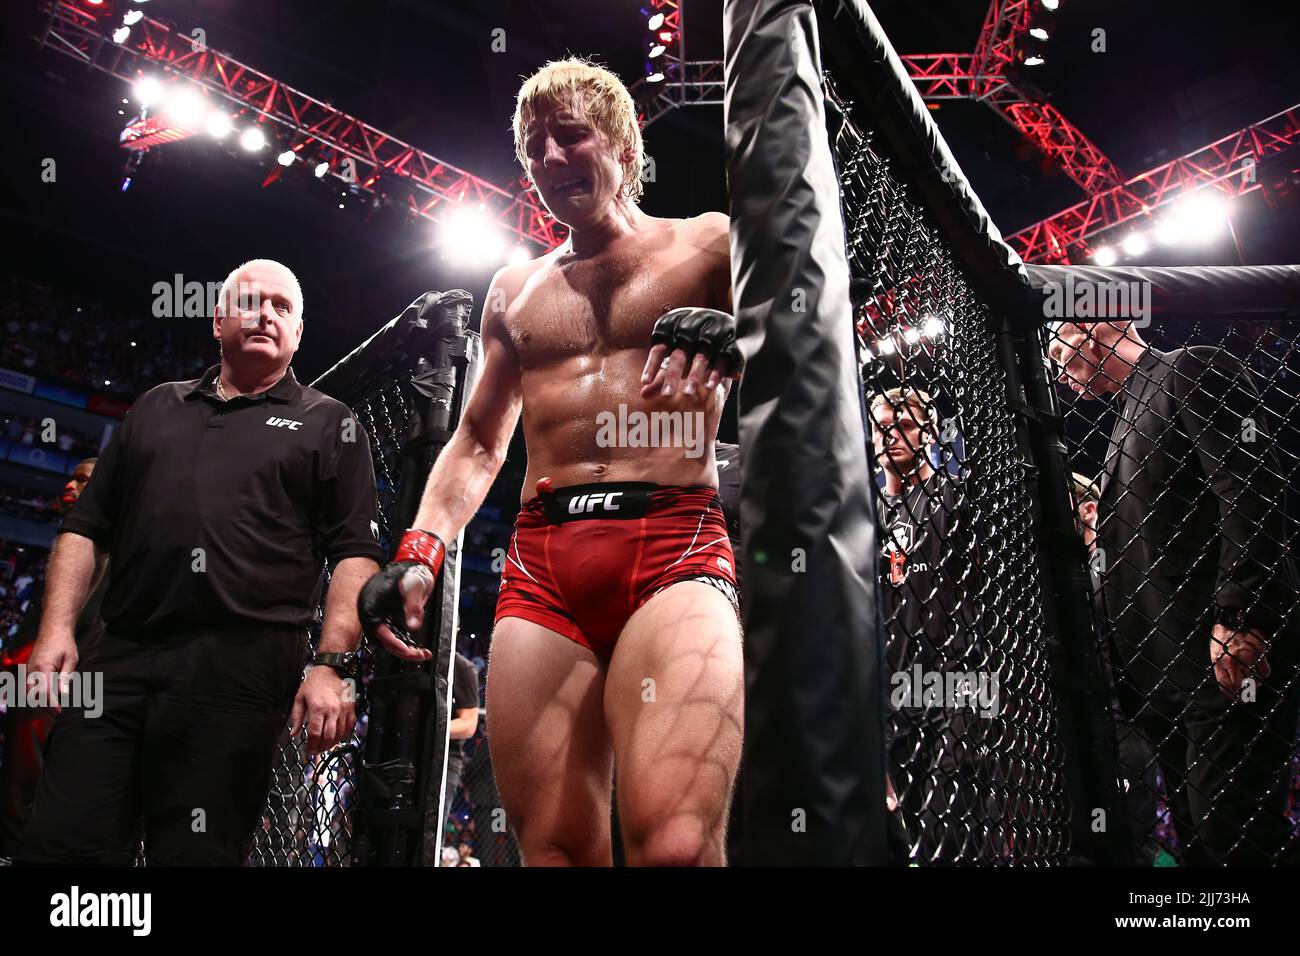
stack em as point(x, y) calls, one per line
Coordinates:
point(284, 423)
point(603, 500)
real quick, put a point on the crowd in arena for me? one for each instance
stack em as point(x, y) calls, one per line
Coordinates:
point(22, 572)
point(89, 344)
point(33, 431)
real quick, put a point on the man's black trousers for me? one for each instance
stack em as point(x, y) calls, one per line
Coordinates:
point(181, 753)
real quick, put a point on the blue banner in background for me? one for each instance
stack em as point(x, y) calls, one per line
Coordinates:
point(44, 457)
point(17, 381)
point(61, 393)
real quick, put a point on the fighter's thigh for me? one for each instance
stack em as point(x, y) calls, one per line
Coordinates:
point(550, 749)
point(674, 699)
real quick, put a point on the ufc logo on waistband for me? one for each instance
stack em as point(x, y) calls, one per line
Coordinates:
point(604, 500)
point(284, 423)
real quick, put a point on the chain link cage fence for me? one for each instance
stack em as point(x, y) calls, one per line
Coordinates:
point(1183, 437)
point(973, 753)
point(308, 817)
point(307, 820)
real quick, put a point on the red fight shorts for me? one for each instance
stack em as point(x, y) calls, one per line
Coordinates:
point(584, 558)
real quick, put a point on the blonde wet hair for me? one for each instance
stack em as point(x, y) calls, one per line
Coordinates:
point(604, 100)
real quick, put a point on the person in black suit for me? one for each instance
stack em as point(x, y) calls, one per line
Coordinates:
point(1199, 588)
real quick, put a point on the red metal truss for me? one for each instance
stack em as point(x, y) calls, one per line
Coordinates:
point(684, 84)
point(438, 188)
point(698, 83)
point(1056, 137)
point(1221, 165)
point(672, 11)
point(942, 76)
point(1042, 124)
point(1005, 22)
point(983, 75)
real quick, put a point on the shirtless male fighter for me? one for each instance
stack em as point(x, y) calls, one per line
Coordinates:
point(617, 641)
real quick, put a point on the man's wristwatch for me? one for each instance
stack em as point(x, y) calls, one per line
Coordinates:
point(1233, 618)
point(347, 663)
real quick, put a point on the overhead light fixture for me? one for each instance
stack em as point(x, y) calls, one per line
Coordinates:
point(469, 237)
point(286, 158)
point(1168, 231)
point(1135, 244)
point(184, 106)
point(120, 35)
point(252, 139)
point(321, 169)
point(148, 90)
point(1201, 217)
point(1105, 256)
point(219, 125)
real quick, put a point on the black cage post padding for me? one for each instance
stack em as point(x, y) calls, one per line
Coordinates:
point(395, 348)
point(429, 354)
point(813, 790)
point(445, 381)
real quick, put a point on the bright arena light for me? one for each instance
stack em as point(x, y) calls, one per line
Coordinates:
point(133, 17)
point(252, 139)
point(321, 169)
point(1168, 231)
point(1051, 4)
point(1105, 256)
point(933, 327)
point(1197, 219)
point(655, 21)
point(219, 125)
point(120, 35)
point(1038, 33)
point(519, 255)
point(656, 50)
point(147, 91)
point(185, 107)
point(1135, 244)
point(1034, 61)
point(912, 336)
point(286, 158)
point(886, 346)
point(470, 238)
point(655, 77)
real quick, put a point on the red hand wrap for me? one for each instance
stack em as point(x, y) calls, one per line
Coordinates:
point(423, 547)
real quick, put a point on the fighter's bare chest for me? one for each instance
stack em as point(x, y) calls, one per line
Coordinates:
point(601, 305)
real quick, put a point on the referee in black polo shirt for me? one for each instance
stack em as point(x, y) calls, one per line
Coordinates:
point(219, 501)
